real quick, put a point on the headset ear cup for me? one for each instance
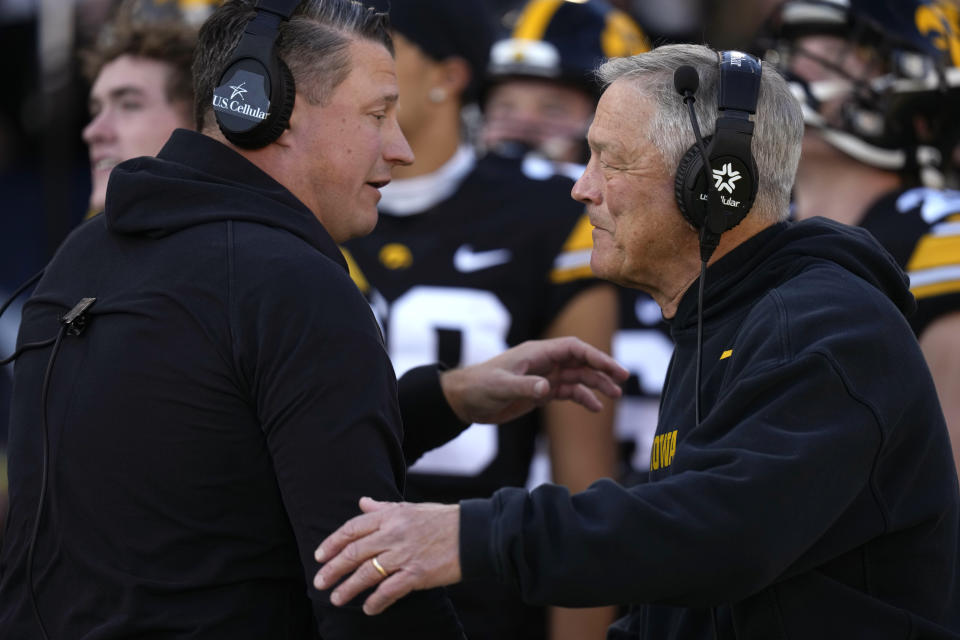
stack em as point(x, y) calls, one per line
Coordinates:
point(688, 169)
point(287, 94)
point(280, 100)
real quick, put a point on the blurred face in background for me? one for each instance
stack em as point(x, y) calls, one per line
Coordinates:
point(546, 116)
point(833, 64)
point(830, 66)
point(415, 77)
point(131, 116)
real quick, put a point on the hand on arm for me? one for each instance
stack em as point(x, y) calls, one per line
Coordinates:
point(416, 545)
point(333, 437)
point(530, 375)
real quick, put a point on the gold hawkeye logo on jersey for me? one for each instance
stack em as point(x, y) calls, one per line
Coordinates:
point(664, 448)
point(940, 22)
point(396, 256)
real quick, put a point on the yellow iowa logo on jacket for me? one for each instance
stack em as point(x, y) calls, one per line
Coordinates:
point(664, 448)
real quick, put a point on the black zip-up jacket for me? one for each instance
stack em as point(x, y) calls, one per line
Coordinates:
point(226, 406)
point(817, 498)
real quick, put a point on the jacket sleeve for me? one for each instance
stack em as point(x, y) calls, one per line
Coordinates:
point(428, 420)
point(776, 462)
point(326, 399)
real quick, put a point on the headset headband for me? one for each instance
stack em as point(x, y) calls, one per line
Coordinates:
point(739, 82)
point(261, 31)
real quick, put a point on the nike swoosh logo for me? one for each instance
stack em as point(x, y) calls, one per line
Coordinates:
point(466, 260)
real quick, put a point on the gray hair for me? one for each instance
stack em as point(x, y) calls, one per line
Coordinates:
point(778, 128)
point(314, 44)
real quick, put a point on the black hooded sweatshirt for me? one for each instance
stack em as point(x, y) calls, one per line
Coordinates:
point(226, 406)
point(817, 497)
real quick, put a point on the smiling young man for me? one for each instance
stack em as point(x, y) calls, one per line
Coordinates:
point(141, 91)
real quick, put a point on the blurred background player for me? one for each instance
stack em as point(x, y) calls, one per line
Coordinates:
point(470, 256)
point(141, 90)
point(540, 99)
point(541, 93)
point(880, 85)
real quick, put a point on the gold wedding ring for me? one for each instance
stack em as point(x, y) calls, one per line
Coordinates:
point(378, 567)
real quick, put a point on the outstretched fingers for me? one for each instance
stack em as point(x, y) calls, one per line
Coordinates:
point(603, 364)
point(580, 394)
point(589, 378)
point(573, 351)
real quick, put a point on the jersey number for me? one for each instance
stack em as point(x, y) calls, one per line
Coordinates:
point(419, 322)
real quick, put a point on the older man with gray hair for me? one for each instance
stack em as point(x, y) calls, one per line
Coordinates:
point(202, 393)
point(801, 483)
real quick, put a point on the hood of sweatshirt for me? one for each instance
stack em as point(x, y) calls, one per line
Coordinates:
point(783, 250)
point(196, 180)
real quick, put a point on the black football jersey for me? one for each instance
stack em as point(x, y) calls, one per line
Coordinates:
point(460, 282)
point(920, 228)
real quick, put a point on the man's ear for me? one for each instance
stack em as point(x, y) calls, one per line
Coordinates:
point(286, 138)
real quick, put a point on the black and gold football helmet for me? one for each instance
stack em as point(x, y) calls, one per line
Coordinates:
point(888, 90)
point(565, 41)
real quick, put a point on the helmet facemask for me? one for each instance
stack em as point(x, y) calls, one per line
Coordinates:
point(865, 87)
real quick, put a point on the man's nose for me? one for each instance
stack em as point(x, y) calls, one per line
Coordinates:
point(587, 188)
point(397, 150)
point(98, 129)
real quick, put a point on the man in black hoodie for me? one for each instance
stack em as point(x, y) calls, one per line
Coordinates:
point(801, 480)
point(202, 392)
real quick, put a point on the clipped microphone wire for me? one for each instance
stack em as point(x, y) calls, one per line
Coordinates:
point(700, 145)
point(43, 480)
point(20, 289)
point(27, 347)
point(703, 277)
point(6, 304)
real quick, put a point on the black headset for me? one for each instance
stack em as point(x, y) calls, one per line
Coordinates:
point(730, 169)
point(720, 163)
point(255, 94)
